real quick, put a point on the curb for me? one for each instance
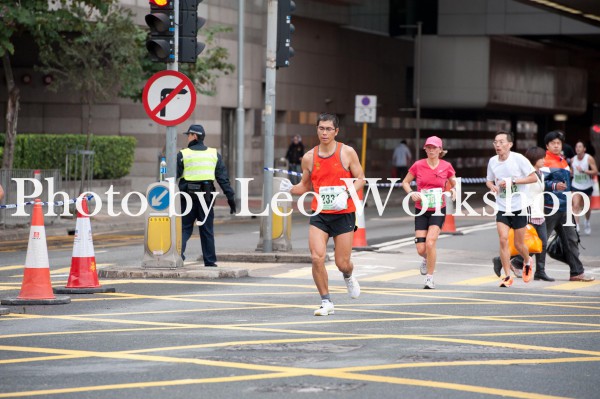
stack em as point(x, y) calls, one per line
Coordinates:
point(58, 300)
point(186, 272)
point(264, 257)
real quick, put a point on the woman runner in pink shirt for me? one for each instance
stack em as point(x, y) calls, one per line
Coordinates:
point(432, 174)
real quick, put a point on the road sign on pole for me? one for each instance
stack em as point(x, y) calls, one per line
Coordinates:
point(365, 109)
point(169, 98)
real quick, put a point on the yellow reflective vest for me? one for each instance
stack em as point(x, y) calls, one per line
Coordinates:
point(199, 165)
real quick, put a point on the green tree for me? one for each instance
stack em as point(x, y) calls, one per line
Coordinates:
point(96, 56)
point(33, 17)
point(94, 48)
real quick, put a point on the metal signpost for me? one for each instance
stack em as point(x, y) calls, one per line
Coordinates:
point(365, 111)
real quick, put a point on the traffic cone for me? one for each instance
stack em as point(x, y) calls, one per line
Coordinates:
point(449, 226)
point(359, 240)
point(83, 278)
point(595, 199)
point(36, 288)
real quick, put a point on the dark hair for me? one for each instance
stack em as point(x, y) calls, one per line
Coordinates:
point(509, 136)
point(324, 116)
point(553, 135)
point(534, 154)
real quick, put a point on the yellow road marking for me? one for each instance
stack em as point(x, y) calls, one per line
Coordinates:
point(391, 276)
point(302, 272)
point(146, 385)
point(477, 280)
point(285, 372)
point(573, 285)
point(13, 267)
point(442, 385)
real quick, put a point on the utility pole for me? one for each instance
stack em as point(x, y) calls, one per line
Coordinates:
point(171, 139)
point(417, 87)
point(269, 115)
point(239, 113)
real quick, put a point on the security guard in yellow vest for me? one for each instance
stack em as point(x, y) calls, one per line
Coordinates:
point(198, 166)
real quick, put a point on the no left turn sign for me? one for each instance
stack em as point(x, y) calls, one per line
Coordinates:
point(169, 98)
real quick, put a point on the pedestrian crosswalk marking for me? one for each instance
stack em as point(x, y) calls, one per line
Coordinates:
point(477, 280)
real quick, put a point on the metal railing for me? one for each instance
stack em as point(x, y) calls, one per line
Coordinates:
point(7, 217)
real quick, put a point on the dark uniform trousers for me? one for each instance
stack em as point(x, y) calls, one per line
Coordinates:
point(207, 235)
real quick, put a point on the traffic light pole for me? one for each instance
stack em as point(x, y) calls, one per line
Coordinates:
point(239, 164)
point(269, 115)
point(171, 139)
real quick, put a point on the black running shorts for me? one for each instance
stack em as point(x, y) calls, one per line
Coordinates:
point(517, 221)
point(334, 224)
point(422, 222)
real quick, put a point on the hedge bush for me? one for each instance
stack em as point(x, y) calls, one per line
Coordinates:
point(113, 155)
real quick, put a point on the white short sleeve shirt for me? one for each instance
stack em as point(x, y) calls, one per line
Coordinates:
point(515, 166)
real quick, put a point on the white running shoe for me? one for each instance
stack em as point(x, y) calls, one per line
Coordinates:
point(423, 267)
point(429, 284)
point(326, 309)
point(353, 287)
point(587, 228)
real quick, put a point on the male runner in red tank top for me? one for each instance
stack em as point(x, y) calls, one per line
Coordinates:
point(322, 169)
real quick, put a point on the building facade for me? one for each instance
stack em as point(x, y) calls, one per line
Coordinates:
point(485, 66)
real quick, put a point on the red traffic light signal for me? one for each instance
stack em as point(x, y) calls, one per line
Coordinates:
point(596, 129)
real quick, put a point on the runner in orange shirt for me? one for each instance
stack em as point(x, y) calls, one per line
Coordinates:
point(323, 167)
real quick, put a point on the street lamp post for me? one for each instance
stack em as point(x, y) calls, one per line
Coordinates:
point(417, 86)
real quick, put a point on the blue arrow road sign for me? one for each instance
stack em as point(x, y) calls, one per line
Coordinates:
point(158, 198)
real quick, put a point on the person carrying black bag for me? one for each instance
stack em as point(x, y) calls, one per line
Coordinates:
point(557, 180)
point(198, 166)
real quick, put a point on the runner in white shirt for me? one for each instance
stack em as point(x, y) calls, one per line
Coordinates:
point(583, 167)
point(519, 172)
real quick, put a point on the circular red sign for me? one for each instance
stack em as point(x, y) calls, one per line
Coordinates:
point(169, 88)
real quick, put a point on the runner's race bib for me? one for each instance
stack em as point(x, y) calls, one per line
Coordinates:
point(580, 177)
point(503, 190)
point(431, 198)
point(328, 195)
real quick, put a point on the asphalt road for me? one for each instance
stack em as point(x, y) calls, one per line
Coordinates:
point(257, 336)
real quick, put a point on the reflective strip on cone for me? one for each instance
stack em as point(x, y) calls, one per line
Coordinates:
point(36, 276)
point(37, 250)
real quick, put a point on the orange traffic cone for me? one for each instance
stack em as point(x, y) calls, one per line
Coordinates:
point(36, 288)
point(360, 234)
point(449, 226)
point(595, 198)
point(83, 278)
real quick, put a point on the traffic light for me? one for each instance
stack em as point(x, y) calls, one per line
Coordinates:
point(284, 33)
point(161, 22)
point(189, 25)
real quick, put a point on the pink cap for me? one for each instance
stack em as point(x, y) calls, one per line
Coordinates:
point(434, 141)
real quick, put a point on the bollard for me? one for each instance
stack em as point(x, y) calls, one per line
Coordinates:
point(281, 226)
